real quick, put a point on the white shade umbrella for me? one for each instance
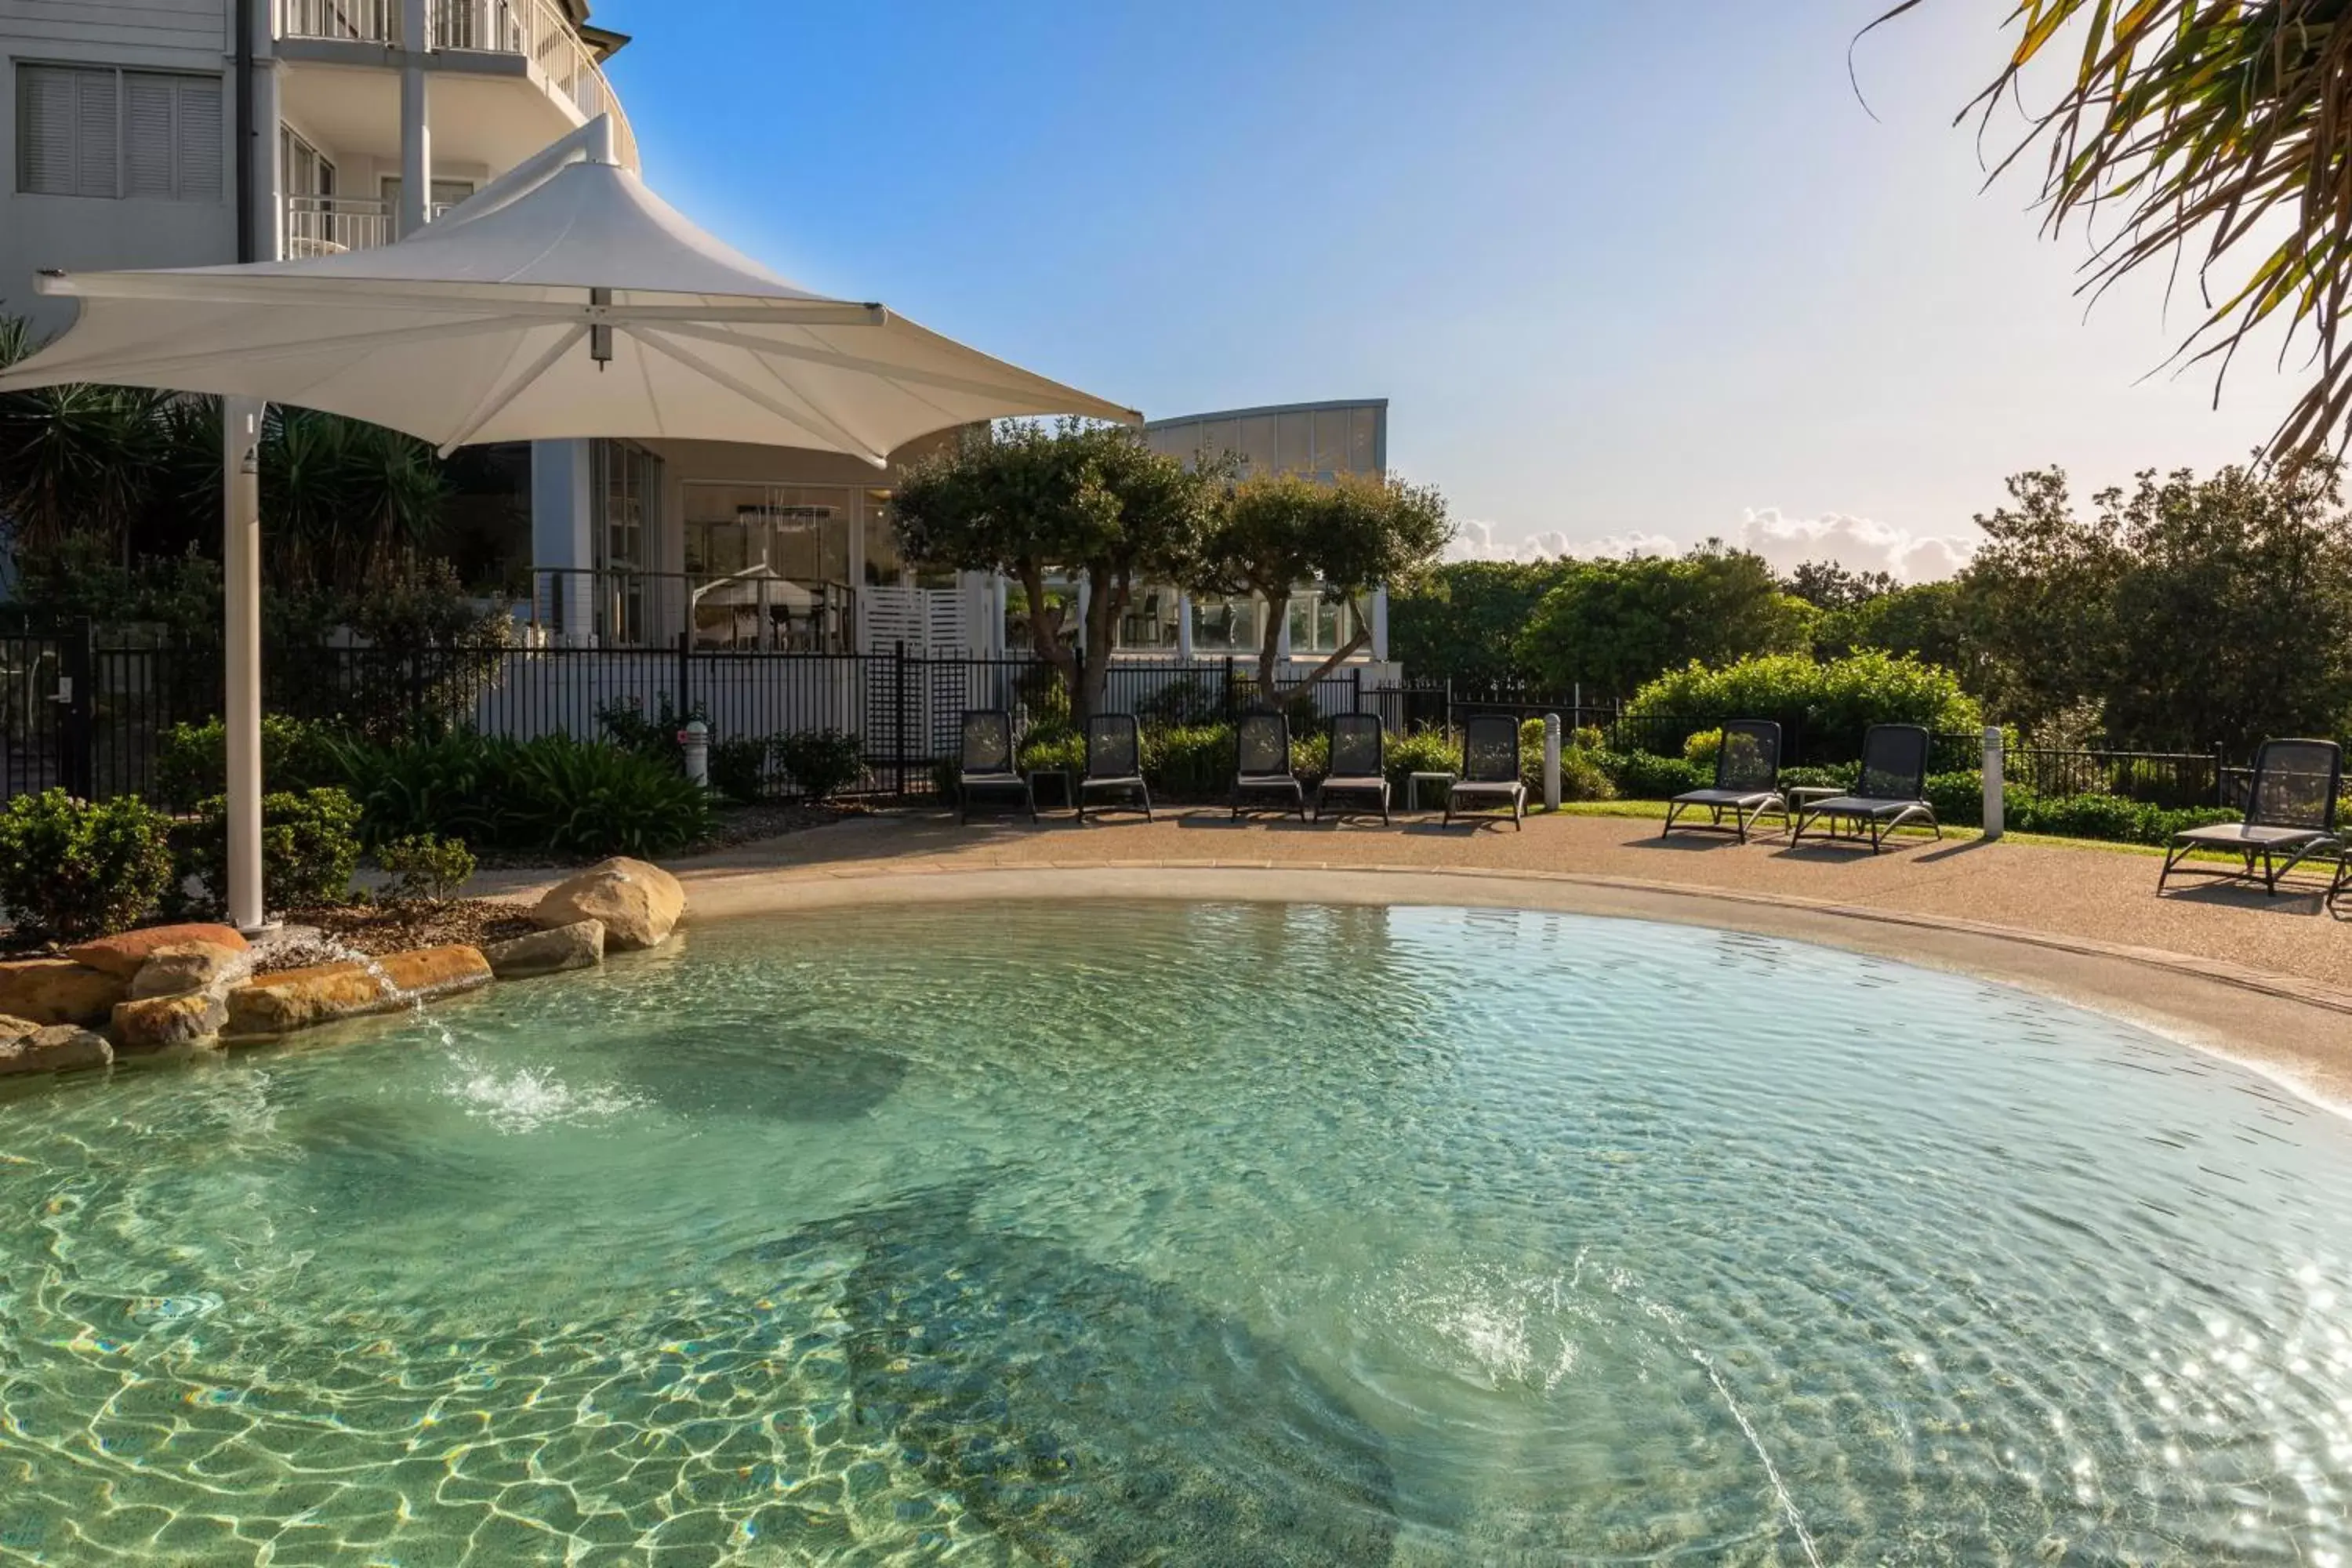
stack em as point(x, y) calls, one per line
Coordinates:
point(564, 300)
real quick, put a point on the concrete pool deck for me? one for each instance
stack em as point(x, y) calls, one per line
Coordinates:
point(2267, 981)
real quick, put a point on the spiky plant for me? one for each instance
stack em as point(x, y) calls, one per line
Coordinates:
point(2218, 133)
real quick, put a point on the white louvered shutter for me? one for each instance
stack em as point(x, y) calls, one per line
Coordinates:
point(45, 131)
point(200, 139)
point(97, 113)
point(150, 135)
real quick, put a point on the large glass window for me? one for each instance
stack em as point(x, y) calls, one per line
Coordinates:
point(768, 565)
point(1221, 625)
point(1321, 622)
point(882, 562)
point(628, 485)
point(1150, 621)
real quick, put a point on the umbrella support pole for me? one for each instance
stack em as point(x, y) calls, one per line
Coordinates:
point(241, 583)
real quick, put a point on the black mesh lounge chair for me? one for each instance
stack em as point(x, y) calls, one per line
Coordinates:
point(1490, 768)
point(1360, 762)
point(990, 765)
point(1114, 764)
point(2290, 812)
point(1747, 783)
point(1893, 791)
point(1262, 766)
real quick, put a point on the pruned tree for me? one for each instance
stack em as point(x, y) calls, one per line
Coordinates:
point(1273, 534)
point(1027, 500)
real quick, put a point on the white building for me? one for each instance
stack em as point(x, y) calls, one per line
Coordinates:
point(190, 132)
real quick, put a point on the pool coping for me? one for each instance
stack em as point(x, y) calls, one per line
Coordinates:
point(2294, 1031)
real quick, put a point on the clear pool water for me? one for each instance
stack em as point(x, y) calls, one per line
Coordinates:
point(1105, 1234)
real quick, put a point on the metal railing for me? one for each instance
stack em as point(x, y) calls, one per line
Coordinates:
point(536, 29)
point(328, 225)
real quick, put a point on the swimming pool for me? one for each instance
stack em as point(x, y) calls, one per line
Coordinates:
point(1242, 1233)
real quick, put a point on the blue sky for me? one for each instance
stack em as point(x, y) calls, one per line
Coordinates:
point(1629, 275)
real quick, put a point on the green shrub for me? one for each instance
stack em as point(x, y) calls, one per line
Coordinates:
point(1310, 757)
point(739, 769)
point(1814, 775)
point(1834, 699)
point(1187, 762)
point(1046, 750)
point(1644, 776)
point(1959, 798)
point(309, 847)
point(1422, 752)
point(424, 867)
point(1703, 748)
point(1195, 699)
point(73, 870)
point(192, 760)
point(819, 763)
point(626, 725)
point(551, 795)
point(1582, 776)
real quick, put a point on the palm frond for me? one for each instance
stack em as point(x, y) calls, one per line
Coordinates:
point(2201, 127)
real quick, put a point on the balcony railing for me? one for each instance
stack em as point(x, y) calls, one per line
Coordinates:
point(328, 225)
point(535, 30)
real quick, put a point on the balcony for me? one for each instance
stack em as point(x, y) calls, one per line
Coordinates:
point(533, 32)
point(328, 225)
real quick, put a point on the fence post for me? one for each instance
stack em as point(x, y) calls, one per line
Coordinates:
point(1993, 788)
point(1551, 762)
point(2220, 778)
point(900, 725)
point(77, 743)
point(685, 674)
point(1230, 704)
point(1356, 674)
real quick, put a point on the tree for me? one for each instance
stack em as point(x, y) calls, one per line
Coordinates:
point(1927, 621)
point(1461, 621)
point(2233, 613)
point(1828, 586)
point(1273, 534)
point(2210, 126)
point(1613, 625)
point(1025, 500)
point(2040, 604)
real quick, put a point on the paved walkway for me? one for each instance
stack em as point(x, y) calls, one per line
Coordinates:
point(2098, 895)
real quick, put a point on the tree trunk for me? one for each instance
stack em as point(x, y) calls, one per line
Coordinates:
point(1347, 651)
point(1106, 603)
point(1269, 649)
point(1045, 636)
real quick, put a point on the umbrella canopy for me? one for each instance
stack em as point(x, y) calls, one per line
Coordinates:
point(565, 300)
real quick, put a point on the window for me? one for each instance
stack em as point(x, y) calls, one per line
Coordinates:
point(94, 131)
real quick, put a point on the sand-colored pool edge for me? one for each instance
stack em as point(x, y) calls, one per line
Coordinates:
point(2292, 1030)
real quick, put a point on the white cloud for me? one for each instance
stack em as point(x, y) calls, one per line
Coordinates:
point(1858, 544)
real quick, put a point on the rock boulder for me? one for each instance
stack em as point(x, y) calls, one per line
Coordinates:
point(51, 1050)
point(159, 1023)
point(303, 998)
point(184, 967)
point(580, 945)
point(639, 904)
point(57, 991)
point(122, 955)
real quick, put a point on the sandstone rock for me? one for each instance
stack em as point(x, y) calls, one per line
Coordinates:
point(580, 945)
point(57, 991)
point(300, 998)
point(190, 966)
point(54, 1049)
point(158, 1023)
point(639, 904)
point(16, 1029)
point(121, 956)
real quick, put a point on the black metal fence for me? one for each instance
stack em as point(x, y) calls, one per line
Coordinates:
point(91, 717)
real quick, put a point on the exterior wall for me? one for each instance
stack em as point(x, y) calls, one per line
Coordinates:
point(90, 232)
